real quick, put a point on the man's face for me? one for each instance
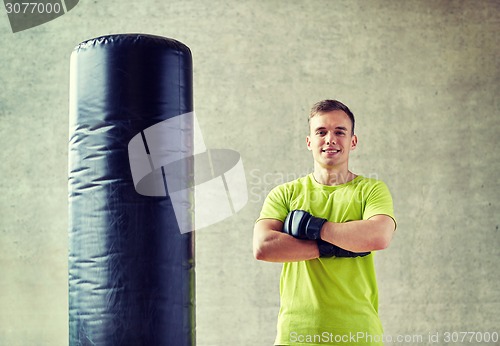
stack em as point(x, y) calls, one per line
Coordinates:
point(330, 139)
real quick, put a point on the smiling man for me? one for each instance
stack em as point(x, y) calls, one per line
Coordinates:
point(324, 228)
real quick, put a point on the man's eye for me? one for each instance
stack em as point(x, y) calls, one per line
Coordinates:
point(321, 133)
point(339, 133)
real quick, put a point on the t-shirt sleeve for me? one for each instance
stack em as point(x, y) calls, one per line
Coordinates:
point(276, 205)
point(379, 202)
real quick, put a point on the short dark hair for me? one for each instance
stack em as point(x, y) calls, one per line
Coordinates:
point(326, 106)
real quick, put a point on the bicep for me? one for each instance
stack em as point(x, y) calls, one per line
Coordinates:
point(272, 245)
point(385, 222)
point(265, 232)
point(384, 226)
point(264, 226)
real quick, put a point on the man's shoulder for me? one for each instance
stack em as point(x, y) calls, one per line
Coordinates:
point(368, 182)
point(372, 188)
point(291, 184)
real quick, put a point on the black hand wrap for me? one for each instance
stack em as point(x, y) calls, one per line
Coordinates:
point(329, 250)
point(302, 225)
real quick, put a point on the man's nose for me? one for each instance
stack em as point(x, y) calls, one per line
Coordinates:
point(330, 138)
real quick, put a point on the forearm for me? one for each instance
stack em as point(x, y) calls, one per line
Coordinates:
point(361, 235)
point(271, 245)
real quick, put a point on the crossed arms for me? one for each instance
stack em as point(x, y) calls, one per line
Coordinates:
point(270, 244)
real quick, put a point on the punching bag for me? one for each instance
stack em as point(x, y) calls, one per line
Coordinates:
point(131, 269)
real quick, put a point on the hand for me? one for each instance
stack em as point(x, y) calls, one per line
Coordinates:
point(302, 225)
point(329, 250)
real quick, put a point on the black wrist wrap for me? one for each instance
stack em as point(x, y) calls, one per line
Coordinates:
point(313, 227)
point(329, 250)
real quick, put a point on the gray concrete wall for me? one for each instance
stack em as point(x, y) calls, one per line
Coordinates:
point(422, 78)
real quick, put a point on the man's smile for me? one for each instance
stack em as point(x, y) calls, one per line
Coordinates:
point(330, 150)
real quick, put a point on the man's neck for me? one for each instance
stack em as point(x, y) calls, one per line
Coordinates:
point(333, 177)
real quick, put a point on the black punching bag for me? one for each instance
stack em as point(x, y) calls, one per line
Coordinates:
point(131, 269)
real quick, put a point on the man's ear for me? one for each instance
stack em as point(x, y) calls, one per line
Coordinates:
point(308, 142)
point(354, 142)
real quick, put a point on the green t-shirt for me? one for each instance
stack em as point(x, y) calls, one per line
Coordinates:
point(329, 301)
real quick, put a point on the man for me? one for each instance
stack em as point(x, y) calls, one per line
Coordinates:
point(323, 227)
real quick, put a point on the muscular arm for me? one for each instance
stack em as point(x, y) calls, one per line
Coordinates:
point(360, 235)
point(271, 245)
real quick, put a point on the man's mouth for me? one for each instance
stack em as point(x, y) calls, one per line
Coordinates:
point(330, 151)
